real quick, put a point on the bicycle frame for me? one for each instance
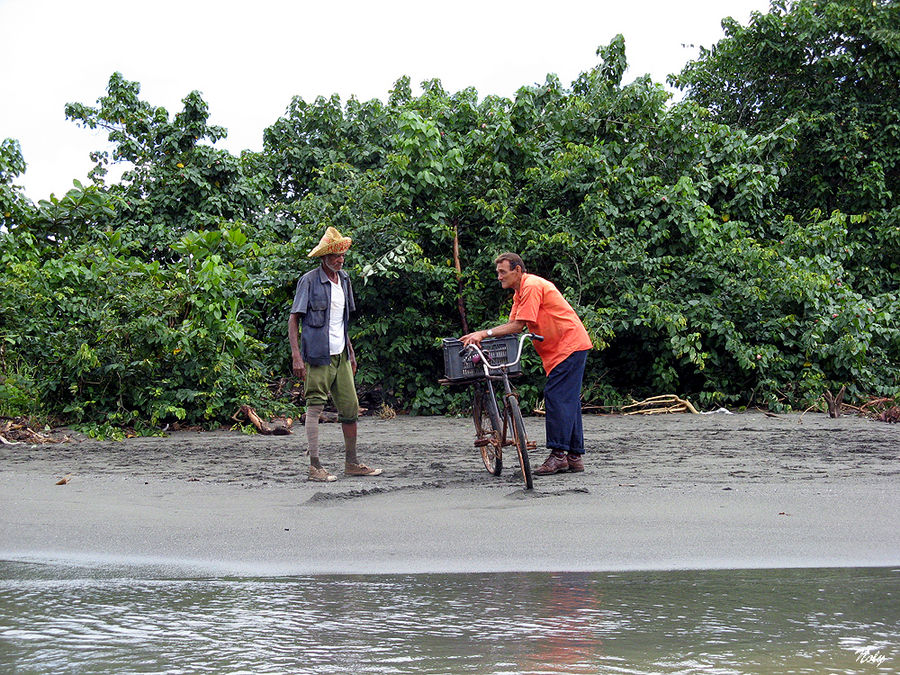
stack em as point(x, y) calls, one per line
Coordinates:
point(485, 410)
point(502, 369)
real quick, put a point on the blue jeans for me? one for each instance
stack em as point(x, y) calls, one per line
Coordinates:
point(562, 403)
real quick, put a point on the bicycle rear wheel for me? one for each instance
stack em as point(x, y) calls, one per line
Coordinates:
point(521, 440)
point(488, 429)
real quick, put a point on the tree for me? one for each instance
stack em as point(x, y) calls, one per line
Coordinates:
point(834, 66)
point(176, 181)
point(14, 206)
point(165, 297)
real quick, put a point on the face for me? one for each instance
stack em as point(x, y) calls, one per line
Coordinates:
point(334, 261)
point(508, 277)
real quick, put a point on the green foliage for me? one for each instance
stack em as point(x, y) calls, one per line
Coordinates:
point(831, 69)
point(80, 213)
point(113, 338)
point(14, 207)
point(19, 395)
point(176, 181)
point(675, 231)
point(833, 66)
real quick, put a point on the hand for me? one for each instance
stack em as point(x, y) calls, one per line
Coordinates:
point(299, 369)
point(353, 363)
point(473, 338)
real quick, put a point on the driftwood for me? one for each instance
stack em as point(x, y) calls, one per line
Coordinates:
point(19, 430)
point(280, 426)
point(834, 401)
point(891, 415)
point(667, 403)
point(324, 416)
point(875, 402)
point(883, 409)
point(655, 405)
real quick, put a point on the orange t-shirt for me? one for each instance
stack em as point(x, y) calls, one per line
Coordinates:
point(545, 311)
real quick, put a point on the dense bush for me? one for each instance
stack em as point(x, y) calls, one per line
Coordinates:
point(674, 229)
point(831, 66)
point(109, 337)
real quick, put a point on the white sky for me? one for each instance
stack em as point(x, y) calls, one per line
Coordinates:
point(249, 58)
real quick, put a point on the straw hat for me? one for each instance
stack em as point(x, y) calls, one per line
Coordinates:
point(331, 243)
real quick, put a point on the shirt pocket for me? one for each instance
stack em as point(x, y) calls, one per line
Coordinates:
point(315, 317)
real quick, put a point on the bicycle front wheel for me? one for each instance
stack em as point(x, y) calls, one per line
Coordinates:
point(488, 430)
point(521, 440)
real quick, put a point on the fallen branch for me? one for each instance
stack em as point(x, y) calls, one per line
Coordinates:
point(891, 415)
point(874, 402)
point(664, 404)
point(14, 431)
point(280, 426)
point(324, 416)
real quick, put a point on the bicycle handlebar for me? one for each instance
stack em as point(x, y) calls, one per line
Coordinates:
point(488, 366)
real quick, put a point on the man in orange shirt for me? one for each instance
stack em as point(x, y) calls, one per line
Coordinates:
point(539, 306)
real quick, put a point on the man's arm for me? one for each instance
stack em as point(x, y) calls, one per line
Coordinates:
point(509, 328)
point(297, 365)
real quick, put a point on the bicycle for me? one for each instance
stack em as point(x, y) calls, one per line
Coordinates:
point(490, 429)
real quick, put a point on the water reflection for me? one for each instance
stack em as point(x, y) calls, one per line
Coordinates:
point(59, 619)
point(569, 624)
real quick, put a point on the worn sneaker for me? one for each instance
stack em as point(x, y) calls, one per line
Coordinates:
point(320, 475)
point(576, 462)
point(555, 463)
point(351, 469)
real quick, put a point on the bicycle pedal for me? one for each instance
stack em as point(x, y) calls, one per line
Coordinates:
point(531, 445)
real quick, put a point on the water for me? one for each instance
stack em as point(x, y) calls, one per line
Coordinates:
point(57, 619)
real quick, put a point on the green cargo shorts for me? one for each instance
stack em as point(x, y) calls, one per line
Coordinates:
point(335, 379)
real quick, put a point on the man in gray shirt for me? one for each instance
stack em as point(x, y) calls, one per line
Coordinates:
point(321, 352)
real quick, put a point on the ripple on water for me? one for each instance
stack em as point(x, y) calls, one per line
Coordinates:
point(64, 619)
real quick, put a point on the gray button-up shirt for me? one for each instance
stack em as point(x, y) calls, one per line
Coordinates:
point(312, 301)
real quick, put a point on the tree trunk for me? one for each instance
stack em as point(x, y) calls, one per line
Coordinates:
point(460, 302)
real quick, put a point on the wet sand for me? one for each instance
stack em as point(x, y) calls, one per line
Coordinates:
point(660, 492)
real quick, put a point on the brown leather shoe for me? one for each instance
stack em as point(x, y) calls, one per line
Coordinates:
point(351, 469)
point(555, 463)
point(576, 462)
point(320, 475)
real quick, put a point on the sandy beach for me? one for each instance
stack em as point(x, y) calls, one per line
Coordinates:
point(660, 492)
